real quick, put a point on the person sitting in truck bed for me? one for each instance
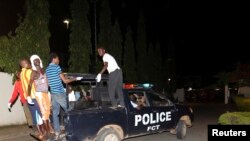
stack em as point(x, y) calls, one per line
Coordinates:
point(73, 96)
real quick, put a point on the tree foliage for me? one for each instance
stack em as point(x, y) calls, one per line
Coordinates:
point(115, 46)
point(105, 26)
point(80, 38)
point(223, 78)
point(129, 67)
point(240, 75)
point(154, 64)
point(31, 37)
point(141, 46)
point(104, 37)
point(110, 35)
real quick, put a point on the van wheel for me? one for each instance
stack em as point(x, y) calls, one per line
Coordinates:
point(181, 129)
point(108, 134)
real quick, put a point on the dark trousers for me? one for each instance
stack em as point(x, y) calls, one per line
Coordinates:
point(115, 87)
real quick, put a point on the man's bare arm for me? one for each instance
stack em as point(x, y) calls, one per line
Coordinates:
point(66, 80)
point(32, 78)
point(104, 68)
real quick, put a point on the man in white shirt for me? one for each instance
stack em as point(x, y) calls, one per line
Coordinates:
point(115, 77)
point(133, 101)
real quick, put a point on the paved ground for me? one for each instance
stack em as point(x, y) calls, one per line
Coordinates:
point(205, 113)
point(20, 133)
point(15, 133)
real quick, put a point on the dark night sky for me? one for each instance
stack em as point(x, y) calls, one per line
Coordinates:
point(208, 36)
point(216, 36)
point(8, 14)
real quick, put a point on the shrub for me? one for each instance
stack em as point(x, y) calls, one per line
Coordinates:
point(234, 118)
point(243, 103)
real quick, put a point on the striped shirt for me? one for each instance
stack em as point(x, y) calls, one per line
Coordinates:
point(25, 79)
point(53, 72)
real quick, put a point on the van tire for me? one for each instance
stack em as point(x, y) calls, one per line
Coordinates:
point(181, 129)
point(108, 134)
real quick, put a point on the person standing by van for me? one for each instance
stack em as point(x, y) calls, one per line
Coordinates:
point(56, 78)
point(115, 77)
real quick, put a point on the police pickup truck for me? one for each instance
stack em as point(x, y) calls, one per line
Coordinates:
point(92, 116)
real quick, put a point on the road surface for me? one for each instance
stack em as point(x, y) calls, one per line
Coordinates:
point(205, 114)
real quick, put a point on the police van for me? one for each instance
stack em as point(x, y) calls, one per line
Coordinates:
point(92, 116)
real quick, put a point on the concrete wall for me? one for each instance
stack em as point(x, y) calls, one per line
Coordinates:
point(244, 90)
point(16, 116)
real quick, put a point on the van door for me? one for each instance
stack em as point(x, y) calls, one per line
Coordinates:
point(139, 118)
point(164, 110)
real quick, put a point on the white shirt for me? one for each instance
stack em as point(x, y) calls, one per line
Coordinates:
point(112, 65)
point(72, 96)
point(133, 104)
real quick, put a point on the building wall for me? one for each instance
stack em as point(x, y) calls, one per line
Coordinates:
point(16, 116)
point(244, 90)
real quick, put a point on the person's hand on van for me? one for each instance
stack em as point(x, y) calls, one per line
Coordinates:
point(79, 78)
point(29, 100)
point(98, 77)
